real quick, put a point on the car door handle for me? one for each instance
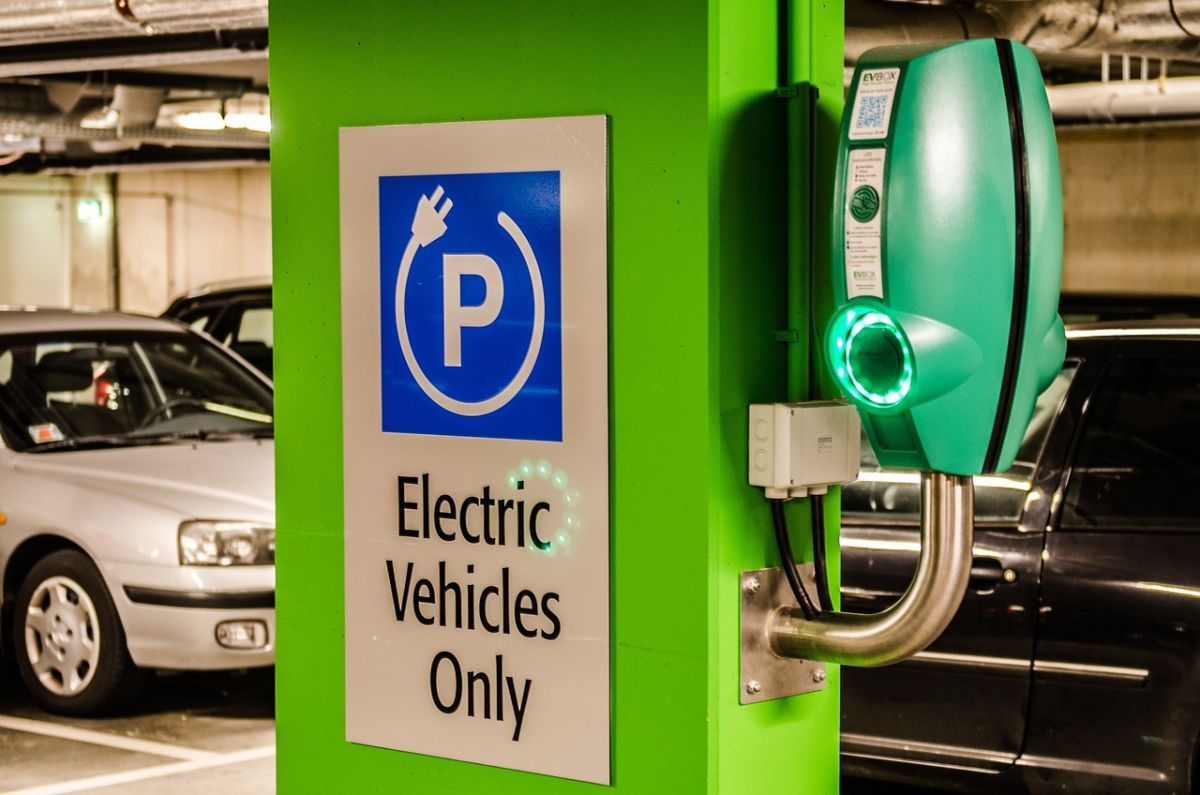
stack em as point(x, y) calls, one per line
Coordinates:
point(987, 573)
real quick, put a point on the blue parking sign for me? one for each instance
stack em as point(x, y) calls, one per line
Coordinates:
point(470, 305)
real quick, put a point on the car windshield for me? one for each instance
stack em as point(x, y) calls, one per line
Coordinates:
point(71, 391)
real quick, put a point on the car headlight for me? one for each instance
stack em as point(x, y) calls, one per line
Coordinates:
point(204, 542)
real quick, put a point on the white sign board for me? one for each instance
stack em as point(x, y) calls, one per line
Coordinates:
point(475, 389)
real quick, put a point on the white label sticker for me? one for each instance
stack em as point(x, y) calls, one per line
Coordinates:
point(864, 224)
point(46, 432)
point(873, 103)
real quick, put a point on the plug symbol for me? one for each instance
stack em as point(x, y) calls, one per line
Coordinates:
point(428, 225)
point(429, 222)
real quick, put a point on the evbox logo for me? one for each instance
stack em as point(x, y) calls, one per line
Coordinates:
point(470, 305)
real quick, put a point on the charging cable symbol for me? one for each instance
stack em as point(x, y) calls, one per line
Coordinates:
point(428, 225)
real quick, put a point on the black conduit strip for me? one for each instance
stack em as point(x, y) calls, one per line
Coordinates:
point(963, 22)
point(1179, 21)
point(1016, 332)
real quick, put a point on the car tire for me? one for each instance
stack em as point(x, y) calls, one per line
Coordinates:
point(69, 642)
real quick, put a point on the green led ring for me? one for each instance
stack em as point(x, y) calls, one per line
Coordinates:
point(879, 323)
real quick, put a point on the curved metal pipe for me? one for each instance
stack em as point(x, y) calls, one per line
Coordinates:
point(920, 616)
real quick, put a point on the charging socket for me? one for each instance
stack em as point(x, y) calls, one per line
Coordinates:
point(802, 448)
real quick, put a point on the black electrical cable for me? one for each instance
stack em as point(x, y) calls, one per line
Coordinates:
point(789, 560)
point(824, 599)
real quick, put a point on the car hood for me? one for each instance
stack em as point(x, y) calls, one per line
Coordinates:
point(210, 480)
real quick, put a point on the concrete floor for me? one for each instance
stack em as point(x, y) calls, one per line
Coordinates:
point(189, 733)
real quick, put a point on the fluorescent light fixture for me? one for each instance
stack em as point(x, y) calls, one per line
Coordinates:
point(212, 120)
point(258, 122)
point(12, 146)
point(201, 120)
point(90, 211)
point(105, 118)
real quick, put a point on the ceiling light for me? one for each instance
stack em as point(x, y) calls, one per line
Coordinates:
point(105, 118)
point(213, 120)
point(201, 120)
point(258, 122)
point(12, 143)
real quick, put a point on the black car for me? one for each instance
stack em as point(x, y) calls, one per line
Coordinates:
point(1073, 664)
point(236, 314)
point(1101, 307)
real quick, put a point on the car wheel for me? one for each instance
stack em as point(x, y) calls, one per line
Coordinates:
point(70, 646)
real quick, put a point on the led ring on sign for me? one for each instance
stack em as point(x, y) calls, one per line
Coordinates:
point(501, 398)
point(880, 323)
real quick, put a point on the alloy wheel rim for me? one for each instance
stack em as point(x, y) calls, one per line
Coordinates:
point(62, 636)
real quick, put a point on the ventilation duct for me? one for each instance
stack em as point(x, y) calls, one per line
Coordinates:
point(137, 106)
point(131, 107)
point(32, 22)
point(42, 128)
point(1167, 29)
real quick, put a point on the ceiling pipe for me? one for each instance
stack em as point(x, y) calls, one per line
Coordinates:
point(878, 23)
point(1177, 97)
point(26, 126)
point(139, 52)
point(24, 22)
point(1151, 28)
point(146, 60)
point(177, 165)
point(207, 84)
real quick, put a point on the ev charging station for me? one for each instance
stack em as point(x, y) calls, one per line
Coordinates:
point(640, 154)
point(948, 253)
point(947, 260)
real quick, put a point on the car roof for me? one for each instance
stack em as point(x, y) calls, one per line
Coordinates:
point(229, 285)
point(36, 320)
point(1117, 329)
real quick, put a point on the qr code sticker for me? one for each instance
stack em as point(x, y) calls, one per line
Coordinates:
point(872, 111)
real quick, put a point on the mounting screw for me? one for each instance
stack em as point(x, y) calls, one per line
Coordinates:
point(1010, 575)
point(819, 676)
point(753, 687)
point(752, 585)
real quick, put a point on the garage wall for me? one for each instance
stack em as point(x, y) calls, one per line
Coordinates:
point(182, 229)
point(1131, 201)
point(1131, 204)
point(48, 256)
point(177, 229)
point(90, 279)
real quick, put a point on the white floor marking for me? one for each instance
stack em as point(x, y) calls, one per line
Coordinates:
point(145, 773)
point(104, 738)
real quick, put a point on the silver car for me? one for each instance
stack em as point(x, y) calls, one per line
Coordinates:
point(137, 513)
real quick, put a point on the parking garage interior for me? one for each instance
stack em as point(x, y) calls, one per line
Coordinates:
point(190, 195)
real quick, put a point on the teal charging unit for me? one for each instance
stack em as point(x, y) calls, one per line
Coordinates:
point(947, 253)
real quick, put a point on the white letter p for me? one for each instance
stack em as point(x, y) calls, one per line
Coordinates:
point(455, 315)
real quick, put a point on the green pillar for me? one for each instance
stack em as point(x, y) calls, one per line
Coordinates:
point(698, 268)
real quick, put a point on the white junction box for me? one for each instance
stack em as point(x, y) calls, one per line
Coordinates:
point(800, 447)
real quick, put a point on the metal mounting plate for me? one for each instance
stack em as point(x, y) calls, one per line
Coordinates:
point(764, 675)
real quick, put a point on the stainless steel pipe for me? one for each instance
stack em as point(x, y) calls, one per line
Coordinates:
point(920, 616)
